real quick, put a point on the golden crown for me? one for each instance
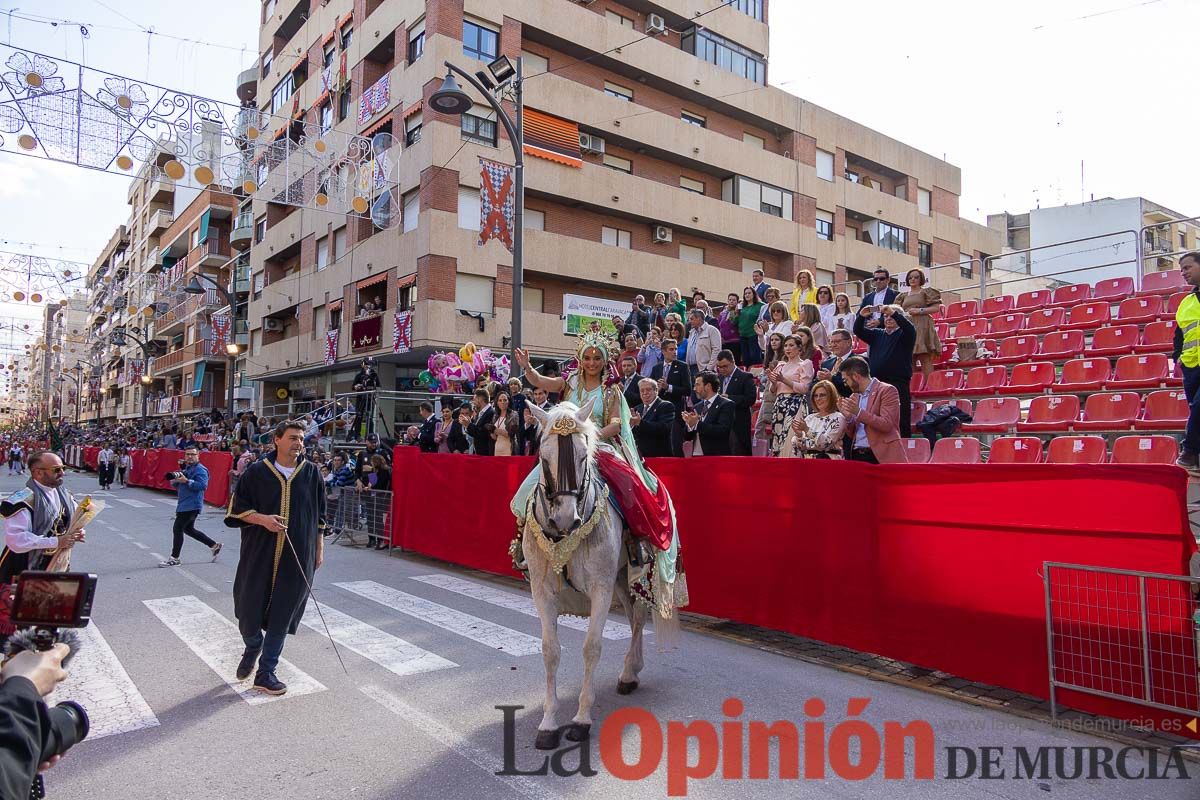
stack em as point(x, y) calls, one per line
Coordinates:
point(605, 342)
point(565, 426)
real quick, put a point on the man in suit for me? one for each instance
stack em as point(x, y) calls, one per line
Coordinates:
point(841, 346)
point(738, 386)
point(711, 424)
point(629, 381)
point(425, 439)
point(882, 294)
point(653, 421)
point(872, 416)
point(478, 429)
point(675, 386)
point(891, 355)
point(758, 282)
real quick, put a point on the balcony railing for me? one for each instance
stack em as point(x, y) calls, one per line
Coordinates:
point(214, 246)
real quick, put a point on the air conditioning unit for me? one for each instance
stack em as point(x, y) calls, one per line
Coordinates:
point(272, 325)
point(590, 143)
point(656, 25)
point(662, 234)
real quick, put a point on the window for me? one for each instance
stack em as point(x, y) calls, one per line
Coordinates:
point(757, 196)
point(691, 184)
point(923, 201)
point(749, 265)
point(260, 229)
point(851, 176)
point(335, 319)
point(339, 243)
point(476, 127)
point(412, 209)
point(772, 201)
point(266, 63)
point(533, 299)
point(282, 93)
point(412, 129)
point(967, 267)
point(902, 191)
point(624, 22)
point(473, 293)
point(925, 254)
point(535, 220)
point(824, 225)
point(327, 57)
point(480, 42)
point(347, 36)
point(1183, 240)
point(268, 10)
point(754, 141)
point(727, 55)
point(753, 8)
point(326, 117)
point(693, 119)
point(196, 238)
point(614, 237)
point(343, 104)
point(618, 163)
point(258, 284)
point(468, 208)
point(693, 255)
point(824, 165)
point(322, 253)
point(892, 237)
point(416, 41)
point(533, 64)
point(618, 91)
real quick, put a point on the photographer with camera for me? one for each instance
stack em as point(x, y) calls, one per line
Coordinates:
point(190, 481)
point(25, 719)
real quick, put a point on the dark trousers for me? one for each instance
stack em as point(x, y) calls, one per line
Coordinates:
point(904, 389)
point(1191, 390)
point(271, 645)
point(185, 522)
point(864, 455)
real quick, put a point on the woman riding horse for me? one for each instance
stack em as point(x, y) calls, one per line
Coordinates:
point(642, 500)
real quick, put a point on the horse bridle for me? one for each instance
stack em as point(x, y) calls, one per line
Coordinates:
point(566, 483)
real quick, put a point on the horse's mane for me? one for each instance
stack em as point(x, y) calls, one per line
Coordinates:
point(591, 435)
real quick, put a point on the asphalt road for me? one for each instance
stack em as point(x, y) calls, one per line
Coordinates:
point(429, 653)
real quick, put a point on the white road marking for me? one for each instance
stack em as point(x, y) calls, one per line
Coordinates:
point(388, 651)
point(123, 535)
point(166, 501)
point(218, 644)
point(99, 683)
point(439, 732)
point(191, 576)
point(521, 603)
point(134, 503)
point(474, 628)
point(139, 544)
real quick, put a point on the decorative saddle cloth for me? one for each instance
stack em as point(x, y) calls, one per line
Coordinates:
point(648, 515)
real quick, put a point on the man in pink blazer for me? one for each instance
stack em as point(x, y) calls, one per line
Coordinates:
point(872, 416)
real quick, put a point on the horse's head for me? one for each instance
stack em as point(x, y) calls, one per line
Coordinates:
point(565, 459)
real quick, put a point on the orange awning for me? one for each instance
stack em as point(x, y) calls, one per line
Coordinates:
point(367, 133)
point(345, 19)
point(317, 104)
point(302, 60)
point(407, 280)
point(333, 305)
point(552, 138)
point(413, 109)
point(374, 280)
point(328, 37)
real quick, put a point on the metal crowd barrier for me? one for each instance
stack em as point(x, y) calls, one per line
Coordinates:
point(350, 512)
point(1124, 635)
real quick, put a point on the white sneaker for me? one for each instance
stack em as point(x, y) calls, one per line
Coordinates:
point(170, 562)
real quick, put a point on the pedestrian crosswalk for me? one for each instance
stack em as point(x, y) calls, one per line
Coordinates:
point(100, 682)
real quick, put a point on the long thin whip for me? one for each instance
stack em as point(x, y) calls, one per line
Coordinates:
point(320, 613)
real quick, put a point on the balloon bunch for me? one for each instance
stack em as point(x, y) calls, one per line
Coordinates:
point(460, 372)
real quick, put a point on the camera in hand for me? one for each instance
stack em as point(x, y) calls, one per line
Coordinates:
point(43, 604)
point(172, 475)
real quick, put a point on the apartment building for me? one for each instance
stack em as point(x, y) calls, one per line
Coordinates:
point(60, 363)
point(658, 157)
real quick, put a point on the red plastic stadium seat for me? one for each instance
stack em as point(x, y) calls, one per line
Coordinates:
point(1016, 450)
point(1109, 411)
point(1113, 340)
point(997, 305)
point(984, 380)
point(1088, 315)
point(1172, 305)
point(1145, 450)
point(1140, 372)
point(1113, 289)
point(917, 449)
point(984, 344)
point(916, 383)
point(994, 415)
point(919, 407)
point(957, 450)
point(1051, 413)
point(1016, 349)
point(971, 327)
point(860, 346)
point(949, 348)
point(963, 403)
point(1165, 282)
point(1033, 301)
point(1158, 337)
point(940, 382)
point(957, 312)
point(1140, 309)
point(1077, 450)
point(1046, 320)
point(1071, 295)
point(1061, 345)
point(1032, 378)
point(943, 330)
point(1164, 410)
point(1006, 324)
point(1083, 374)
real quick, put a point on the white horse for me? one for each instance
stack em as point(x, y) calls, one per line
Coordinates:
point(571, 498)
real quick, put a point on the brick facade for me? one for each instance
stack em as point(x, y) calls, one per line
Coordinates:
point(435, 277)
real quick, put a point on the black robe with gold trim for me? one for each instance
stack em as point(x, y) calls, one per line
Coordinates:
point(270, 588)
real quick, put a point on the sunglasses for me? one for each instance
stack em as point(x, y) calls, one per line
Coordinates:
point(880, 278)
point(51, 469)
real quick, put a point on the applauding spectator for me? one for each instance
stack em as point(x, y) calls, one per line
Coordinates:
point(710, 425)
point(738, 386)
point(872, 416)
point(810, 317)
point(820, 434)
point(805, 291)
point(842, 318)
point(790, 380)
point(747, 323)
point(727, 323)
point(652, 421)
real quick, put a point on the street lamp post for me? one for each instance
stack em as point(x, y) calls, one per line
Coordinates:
point(231, 348)
point(450, 99)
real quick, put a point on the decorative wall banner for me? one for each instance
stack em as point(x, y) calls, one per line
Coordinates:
point(366, 333)
point(375, 99)
point(497, 202)
point(222, 324)
point(63, 111)
point(402, 332)
point(331, 346)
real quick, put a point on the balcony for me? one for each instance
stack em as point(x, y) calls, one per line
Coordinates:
point(240, 285)
point(210, 253)
point(243, 230)
point(1158, 244)
point(161, 189)
point(247, 84)
point(159, 221)
point(174, 361)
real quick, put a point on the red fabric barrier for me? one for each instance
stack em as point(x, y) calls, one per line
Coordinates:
point(149, 466)
point(91, 457)
point(937, 565)
point(218, 465)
